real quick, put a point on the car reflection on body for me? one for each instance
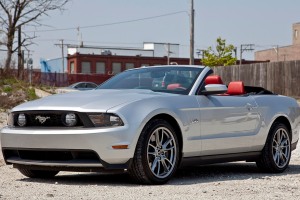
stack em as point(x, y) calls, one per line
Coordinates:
point(79, 86)
point(151, 121)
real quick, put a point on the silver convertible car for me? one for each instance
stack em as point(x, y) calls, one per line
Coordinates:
point(151, 121)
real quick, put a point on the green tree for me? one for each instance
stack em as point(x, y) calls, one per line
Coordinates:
point(221, 56)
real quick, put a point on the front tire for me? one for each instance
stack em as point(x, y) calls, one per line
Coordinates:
point(276, 154)
point(37, 173)
point(157, 154)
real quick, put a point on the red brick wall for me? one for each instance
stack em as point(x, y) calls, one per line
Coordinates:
point(109, 59)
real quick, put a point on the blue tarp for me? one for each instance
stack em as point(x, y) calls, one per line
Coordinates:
point(53, 65)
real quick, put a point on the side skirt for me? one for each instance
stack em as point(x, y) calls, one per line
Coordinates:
point(203, 160)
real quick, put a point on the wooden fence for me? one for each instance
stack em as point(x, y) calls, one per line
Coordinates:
point(278, 77)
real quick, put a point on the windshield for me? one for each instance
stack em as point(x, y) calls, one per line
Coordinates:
point(159, 79)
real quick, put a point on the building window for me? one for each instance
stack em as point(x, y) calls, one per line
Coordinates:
point(129, 65)
point(100, 67)
point(86, 67)
point(296, 34)
point(72, 68)
point(116, 68)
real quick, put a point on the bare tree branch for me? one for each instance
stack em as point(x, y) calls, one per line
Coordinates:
point(16, 13)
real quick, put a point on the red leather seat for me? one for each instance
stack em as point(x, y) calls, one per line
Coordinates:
point(175, 86)
point(236, 88)
point(214, 79)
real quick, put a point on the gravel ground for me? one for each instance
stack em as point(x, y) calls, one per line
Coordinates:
point(238, 180)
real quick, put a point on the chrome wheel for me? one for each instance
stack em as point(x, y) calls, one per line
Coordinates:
point(281, 148)
point(161, 152)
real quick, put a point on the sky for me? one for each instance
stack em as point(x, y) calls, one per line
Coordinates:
point(265, 23)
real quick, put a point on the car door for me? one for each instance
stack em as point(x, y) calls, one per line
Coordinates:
point(228, 123)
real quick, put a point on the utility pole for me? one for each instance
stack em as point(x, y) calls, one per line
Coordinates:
point(62, 55)
point(245, 47)
point(192, 33)
point(168, 53)
point(277, 52)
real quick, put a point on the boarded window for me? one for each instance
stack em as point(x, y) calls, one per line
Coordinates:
point(129, 65)
point(100, 67)
point(86, 67)
point(72, 68)
point(116, 68)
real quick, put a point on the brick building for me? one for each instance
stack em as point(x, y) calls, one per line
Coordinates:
point(285, 53)
point(113, 64)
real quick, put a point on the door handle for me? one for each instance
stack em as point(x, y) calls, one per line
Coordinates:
point(249, 106)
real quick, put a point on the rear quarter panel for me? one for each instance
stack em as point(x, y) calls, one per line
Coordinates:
point(270, 108)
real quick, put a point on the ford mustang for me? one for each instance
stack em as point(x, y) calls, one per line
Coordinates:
point(149, 122)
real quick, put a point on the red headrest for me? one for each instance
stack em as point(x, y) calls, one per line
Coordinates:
point(236, 88)
point(213, 80)
point(174, 86)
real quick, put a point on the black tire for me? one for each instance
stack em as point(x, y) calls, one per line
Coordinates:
point(37, 173)
point(275, 157)
point(156, 156)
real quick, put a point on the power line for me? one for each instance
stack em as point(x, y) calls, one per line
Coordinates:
point(110, 24)
point(245, 47)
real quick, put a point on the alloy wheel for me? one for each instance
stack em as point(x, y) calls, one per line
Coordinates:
point(281, 148)
point(161, 152)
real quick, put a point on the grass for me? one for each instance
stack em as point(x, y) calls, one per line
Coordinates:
point(14, 92)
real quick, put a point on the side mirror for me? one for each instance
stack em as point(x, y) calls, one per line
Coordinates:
point(214, 89)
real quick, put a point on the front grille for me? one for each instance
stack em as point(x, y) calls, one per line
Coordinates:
point(54, 120)
point(50, 119)
point(55, 155)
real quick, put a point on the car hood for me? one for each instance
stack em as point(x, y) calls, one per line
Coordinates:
point(88, 101)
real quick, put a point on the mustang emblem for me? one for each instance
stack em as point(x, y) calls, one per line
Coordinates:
point(41, 119)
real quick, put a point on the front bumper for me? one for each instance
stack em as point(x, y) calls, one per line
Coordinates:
point(16, 141)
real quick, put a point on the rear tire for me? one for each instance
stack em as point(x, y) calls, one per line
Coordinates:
point(37, 173)
point(276, 153)
point(156, 156)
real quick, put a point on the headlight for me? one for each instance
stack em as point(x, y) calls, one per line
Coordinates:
point(70, 119)
point(106, 120)
point(22, 120)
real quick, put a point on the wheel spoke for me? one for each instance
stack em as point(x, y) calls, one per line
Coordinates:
point(150, 145)
point(284, 157)
point(169, 161)
point(158, 144)
point(168, 149)
point(166, 143)
point(164, 164)
point(152, 153)
point(276, 158)
point(162, 137)
point(278, 137)
point(158, 168)
point(154, 164)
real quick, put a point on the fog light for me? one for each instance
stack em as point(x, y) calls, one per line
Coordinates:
point(70, 119)
point(22, 120)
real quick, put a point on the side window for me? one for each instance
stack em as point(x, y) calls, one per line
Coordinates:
point(90, 85)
